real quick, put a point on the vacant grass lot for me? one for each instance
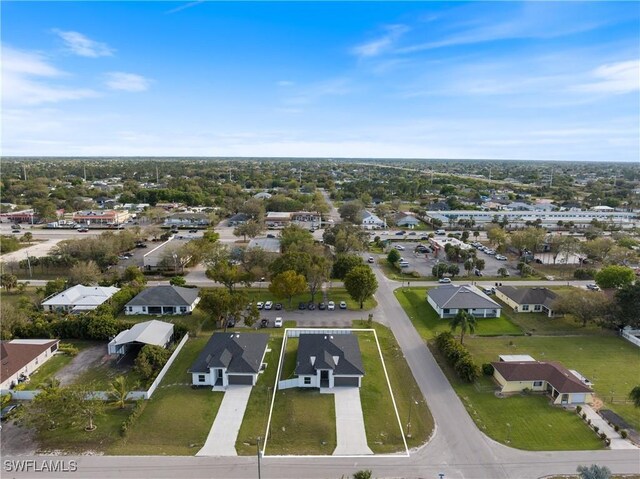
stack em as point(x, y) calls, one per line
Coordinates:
point(428, 324)
point(540, 324)
point(609, 361)
point(177, 419)
point(195, 322)
point(100, 377)
point(332, 294)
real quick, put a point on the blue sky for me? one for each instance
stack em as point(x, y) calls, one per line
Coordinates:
point(538, 80)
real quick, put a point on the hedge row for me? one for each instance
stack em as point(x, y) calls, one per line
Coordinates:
point(458, 356)
point(133, 417)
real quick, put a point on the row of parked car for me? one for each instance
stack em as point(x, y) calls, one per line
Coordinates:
point(330, 306)
point(489, 251)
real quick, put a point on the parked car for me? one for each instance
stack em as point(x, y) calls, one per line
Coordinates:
point(8, 411)
point(268, 305)
point(399, 247)
point(277, 323)
point(231, 323)
point(444, 280)
point(16, 231)
point(400, 233)
point(83, 230)
point(302, 306)
point(343, 305)
point(593, 287)
point(403, 264)
point(141, 245)
point(264, 323)
point(193, 231)
point(441, 232)
point(499, 257)
point(331, 306)
point(413, 233)
point(278, 306)
point(488, 290)
point(424, 238)
point(259, 305)
point(311, 306)
point(322, 306)
point(477, 272)
point(271, 236)
point(371, 260)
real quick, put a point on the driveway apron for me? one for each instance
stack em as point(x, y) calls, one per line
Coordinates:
point(351, 436)
point(224, 431)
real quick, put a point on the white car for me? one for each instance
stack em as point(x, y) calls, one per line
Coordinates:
point(268, 305)
point(259, 305)
point(343, 305)
point(499, 257)
point(444, 280)
point(331, 306)
point(399, 247)
point(404, 264)
point(277, 323)
point(371, 260)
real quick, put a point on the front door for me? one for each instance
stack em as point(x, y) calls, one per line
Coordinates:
point(218, 377)
point(324, 379)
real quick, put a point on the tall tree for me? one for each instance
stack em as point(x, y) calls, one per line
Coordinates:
point(287, 284)
point(84, 272)
point(615, 276)
point(317, 274)
point(584, 306)
point(118, 391)
point(8, 281)
point(361, 284)
point(345, 263)
point(634, 395)
point(228, 274)
point(352, 211)
point(465, 321)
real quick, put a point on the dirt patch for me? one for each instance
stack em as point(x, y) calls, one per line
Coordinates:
point(17, 440)
point(85, 360)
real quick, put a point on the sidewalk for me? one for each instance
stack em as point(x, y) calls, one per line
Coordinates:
point(603, 426)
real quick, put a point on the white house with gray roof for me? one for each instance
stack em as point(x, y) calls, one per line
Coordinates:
point(230, 358)
point(164, 300)
point(447, 300)
point(371, 221)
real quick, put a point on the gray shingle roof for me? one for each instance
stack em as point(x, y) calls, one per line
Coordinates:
point(165, 296)
point(324, 348)
point(555, 374)
point(542, 296)
point(238, 352)
point(452, 296)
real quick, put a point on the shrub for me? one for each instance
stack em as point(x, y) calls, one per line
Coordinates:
point(68, 349)
point(589, 422)
point(624, 434)
point(603, 436)
point(578, 409)
point(132, 418)
point(596, 429)
point(487, 369)
point(584, 415)
point(616, 428)
point(150, 360)
point(584, 273)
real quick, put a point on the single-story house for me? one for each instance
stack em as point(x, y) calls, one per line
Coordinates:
point(187, 220)
point(79, 298)
point(238, 219)
point(327, 361)
point(448, 299)
point(162, 256)
point(371, 221)
point(263, 195)
point(564, 386)
point(270, 245)
point(164, 300)
point(407, 220)
point(230, 358)
point(19, 358)
point(528, 300)
point(157, 333)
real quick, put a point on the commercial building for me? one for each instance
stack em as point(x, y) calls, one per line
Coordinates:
point(101, 217)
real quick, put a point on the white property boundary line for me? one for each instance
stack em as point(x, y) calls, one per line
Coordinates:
point(386, 375)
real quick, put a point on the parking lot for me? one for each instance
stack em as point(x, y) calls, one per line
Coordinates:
point(424, 263)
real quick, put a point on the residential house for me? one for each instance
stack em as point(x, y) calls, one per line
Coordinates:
point(154, 332)
point(528, 300)
point(164, 300)
point(230, 358)
point(327, 361)
point(238, 219)
point(565, 387)
point(448, 299)
point(79, 298)
point(406, 220)
point(19, 358)
point(371, 221)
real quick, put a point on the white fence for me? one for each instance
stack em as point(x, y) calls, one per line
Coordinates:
point(288, 383)
point(294, 333)
point(25, 395)
point(632, 335)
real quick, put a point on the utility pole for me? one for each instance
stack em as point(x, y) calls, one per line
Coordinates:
point(24, 172)
point(157, 176)
point(258, 451)
point(85, 172)
point(489, 173)
point(551, 179)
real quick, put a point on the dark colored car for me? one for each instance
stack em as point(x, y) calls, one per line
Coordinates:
point(231, 323)
point(264, 323)
point(6, 412)
point(311, 306)
point(193, 231)
point(302, 306)
point(141, 245)
point(424, 237)
point(271, 236)
point(400, 233)
point(322, 306)
point(278, 306)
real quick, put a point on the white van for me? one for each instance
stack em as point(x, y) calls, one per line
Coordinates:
point(403, 264)
point(441, 232)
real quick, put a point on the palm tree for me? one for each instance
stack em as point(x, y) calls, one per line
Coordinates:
point(119, 391)
point(466, 322)
point(634, 395)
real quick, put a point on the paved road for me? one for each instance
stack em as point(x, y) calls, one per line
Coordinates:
point(458, 449)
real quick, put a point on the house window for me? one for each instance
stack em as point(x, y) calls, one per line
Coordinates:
point(307, 380)
point(130, 308)
point(537, 384)
point(144, 308)
point(54, 348)
point(183, 309)
point(537, 307)
point(445, 311)
point(201, 378)
point(525, 307)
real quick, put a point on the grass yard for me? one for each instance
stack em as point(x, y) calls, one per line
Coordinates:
point(100, 377)
point(47, 371)
point(177, 419)
point(332, 294)
point(195, 322)
point(303, 423)
point(541, 324)
point(384, 434)
point(77, 440)
point(428, 324)
point(611, 362)
point(14, 297)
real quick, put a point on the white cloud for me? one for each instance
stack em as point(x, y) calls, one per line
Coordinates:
point(614, 78)
point(382, 44)
point(127, 82)
point(184, 7)
point(80, 45)
point(26, 80)
point(285, 83)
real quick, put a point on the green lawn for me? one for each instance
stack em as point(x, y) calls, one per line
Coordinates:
point(428, 324)
point(177, 419)
point(333, 294)
point(100, 377)
point(611, 362)
point(195, 322)
point(541, 324)
point(13, 297)
point(303, 422)
point(45, 372)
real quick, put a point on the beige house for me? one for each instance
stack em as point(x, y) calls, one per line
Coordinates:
point(563, 386)
point(528, 300)
point(21, 357)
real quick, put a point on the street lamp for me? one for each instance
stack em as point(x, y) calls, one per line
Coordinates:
point(258, 451)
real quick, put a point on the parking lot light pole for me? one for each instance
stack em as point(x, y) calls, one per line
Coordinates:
point(258, 451)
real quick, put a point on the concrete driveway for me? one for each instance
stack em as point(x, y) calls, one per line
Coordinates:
point(350, 433)
point(221, 440)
